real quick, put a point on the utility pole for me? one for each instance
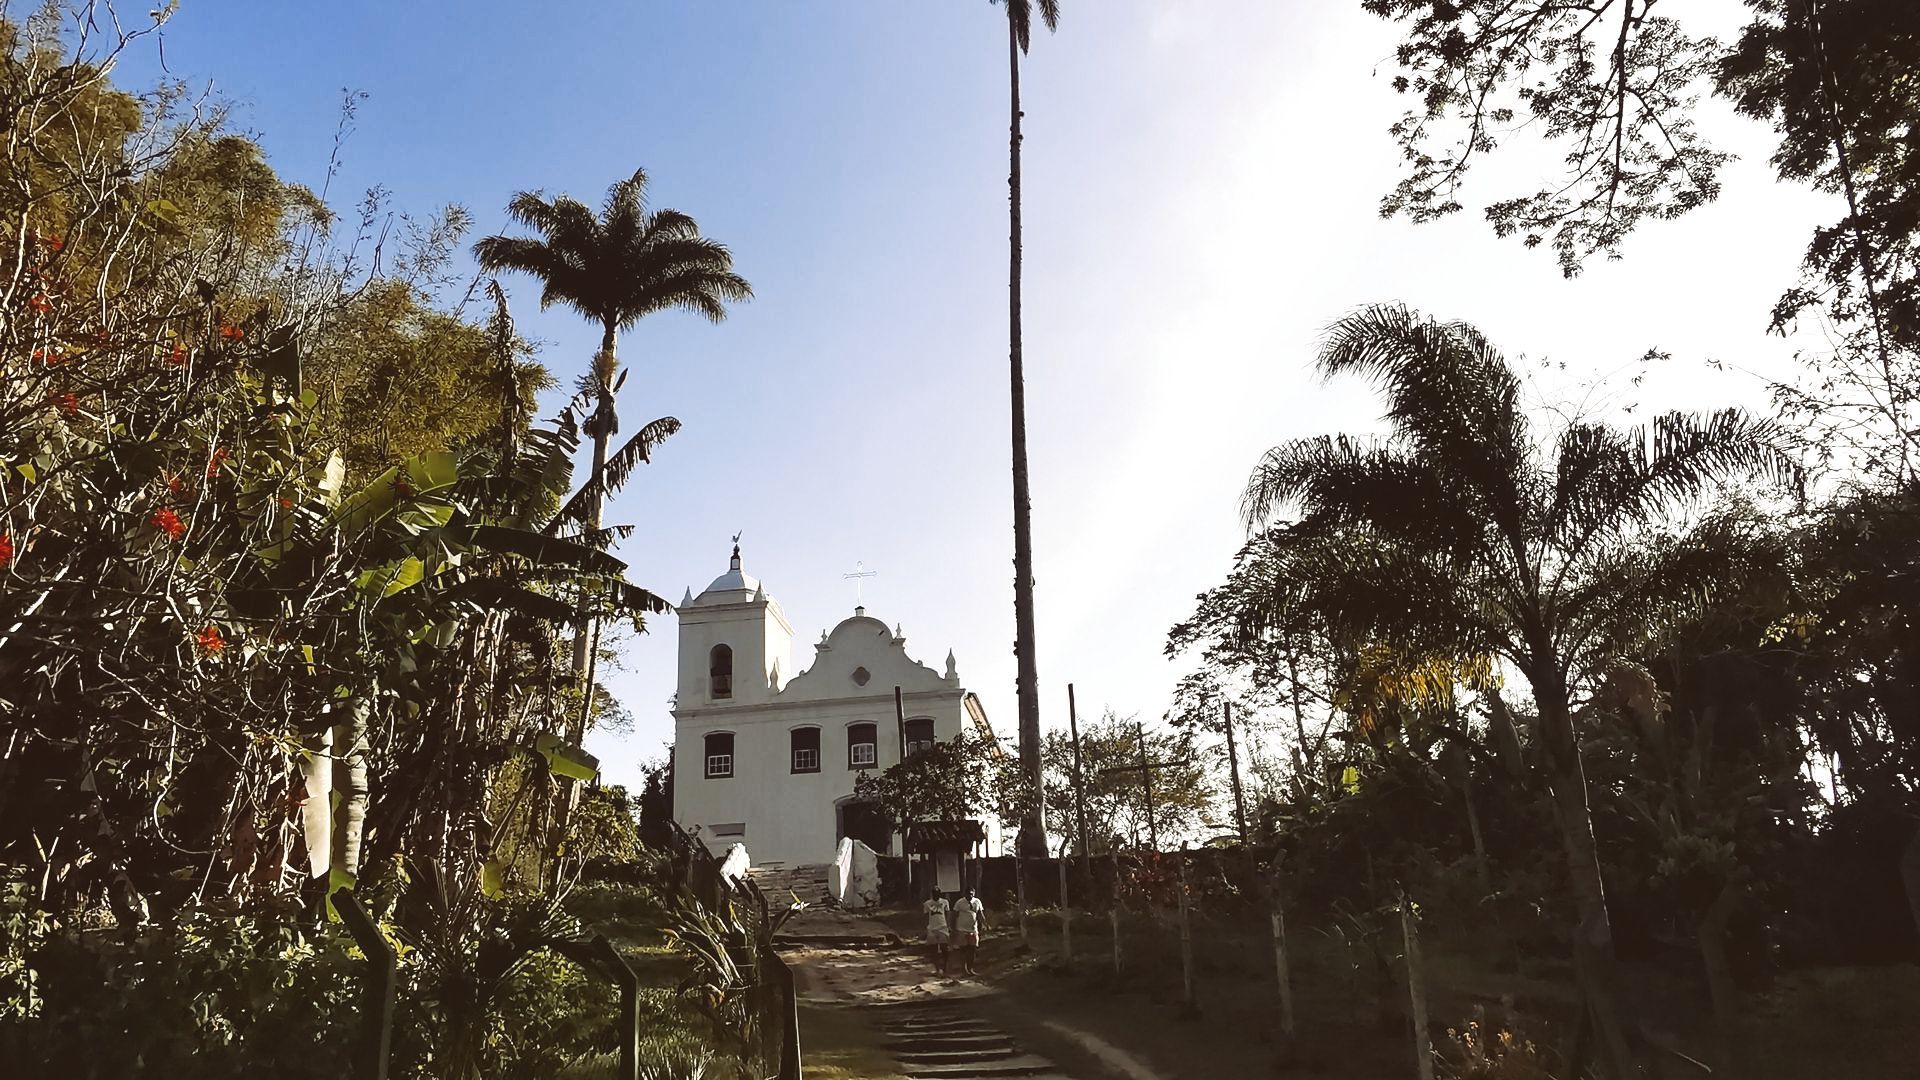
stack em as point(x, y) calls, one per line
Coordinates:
point(1233, 764)
point(1079, 786)
point(1146, 779)
point(900, 721)
point(1145, 769)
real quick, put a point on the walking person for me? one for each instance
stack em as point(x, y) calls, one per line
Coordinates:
point(969, 919)
point(937, 934)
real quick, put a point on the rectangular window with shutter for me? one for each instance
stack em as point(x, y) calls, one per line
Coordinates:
point(806, 749)
point(862, 746)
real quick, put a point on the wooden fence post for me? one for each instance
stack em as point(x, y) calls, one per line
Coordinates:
point(377, 1014)
point(1020, 892)
point(790, 1021)
point(1079, 791)
point(1066, 914)
point(1278, 898)
point(1114, 912)
point(1416, 991)
point(1186, 936)
point(622, 974)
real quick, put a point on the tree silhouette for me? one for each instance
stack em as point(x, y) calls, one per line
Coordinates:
point(1453, 536)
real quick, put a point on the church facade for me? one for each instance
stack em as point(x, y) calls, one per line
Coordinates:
point(767, 758)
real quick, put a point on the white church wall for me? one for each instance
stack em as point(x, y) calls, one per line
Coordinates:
point(789, 816)
point(779, 814)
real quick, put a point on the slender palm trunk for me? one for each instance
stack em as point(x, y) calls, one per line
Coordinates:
point(1594, 963)
point(602, 431)
point(600, 428)
point(1033, 824)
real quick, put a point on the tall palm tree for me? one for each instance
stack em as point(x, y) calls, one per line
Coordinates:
point(1033, 825)
point(1455, 533)
point(615, 267)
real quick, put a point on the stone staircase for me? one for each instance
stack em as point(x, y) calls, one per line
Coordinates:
point(824, 923)
point(781, 882)
point(939, 1039)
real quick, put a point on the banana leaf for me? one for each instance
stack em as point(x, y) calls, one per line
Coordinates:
point(565, 759)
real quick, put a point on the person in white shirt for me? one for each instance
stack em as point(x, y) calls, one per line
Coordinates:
point(937, 936)
point(969, 919)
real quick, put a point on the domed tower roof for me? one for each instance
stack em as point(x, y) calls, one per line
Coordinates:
point(733, 587)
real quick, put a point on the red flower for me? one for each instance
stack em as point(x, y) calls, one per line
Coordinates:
point(286, 503)
point(209, 639)
point(53, 243)
point(69, 404)
point(6, 550)
point(231, 332)
point(178, 357)
point(168, 522)
point(213, 465)
point(39, 302)
point(49, 357)
point(173, 483)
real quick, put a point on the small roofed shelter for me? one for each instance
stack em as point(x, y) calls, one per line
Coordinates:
point(949, 846)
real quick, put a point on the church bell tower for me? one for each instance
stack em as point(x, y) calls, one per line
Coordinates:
point(736, 647)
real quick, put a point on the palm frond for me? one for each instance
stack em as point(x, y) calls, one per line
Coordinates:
point(1449, 392)
point(1633, 591)
point(544, 550)
point(1361, 589)
point(601, 538)
point(620, 465)
point(1342, 482)
point(620, 264)
point(1608, 480)
point(1020, 17)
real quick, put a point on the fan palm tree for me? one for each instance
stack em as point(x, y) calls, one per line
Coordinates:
point(1033, 826)
point(1455, 534)
point(614, 267)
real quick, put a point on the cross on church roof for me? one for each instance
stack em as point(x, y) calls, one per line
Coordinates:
point(858, 577)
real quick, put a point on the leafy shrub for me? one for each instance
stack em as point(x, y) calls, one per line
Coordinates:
point(1479, 1052)
point(208, 996)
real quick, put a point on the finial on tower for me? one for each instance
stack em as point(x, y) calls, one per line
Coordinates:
point(687, 600)
point(760, 593)
point(735, 563)
point(952, 671)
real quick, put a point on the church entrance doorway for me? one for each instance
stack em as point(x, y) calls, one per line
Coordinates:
point(863, 822)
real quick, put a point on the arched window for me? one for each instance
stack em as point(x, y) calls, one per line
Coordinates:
point(919, 735)
point(806, 749)
point(720, 669)
point(862, 746)
point(719, 755)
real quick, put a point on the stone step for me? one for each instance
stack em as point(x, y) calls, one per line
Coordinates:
point(948, 1057)
point(967, 1032)
point(919, 1044)
point(939, 1027)
point(1024, 1065)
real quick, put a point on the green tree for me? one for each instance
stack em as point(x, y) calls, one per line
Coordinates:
point(1617, 86)
point(1184, 789)
point(615, 267)
point(1452, 536)
point(1033, 830)
point(397, 379)
point(968, 776)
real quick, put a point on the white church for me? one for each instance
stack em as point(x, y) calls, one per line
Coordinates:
point(766, 757)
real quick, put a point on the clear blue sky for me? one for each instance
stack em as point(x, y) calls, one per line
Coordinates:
point(1201, 189)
